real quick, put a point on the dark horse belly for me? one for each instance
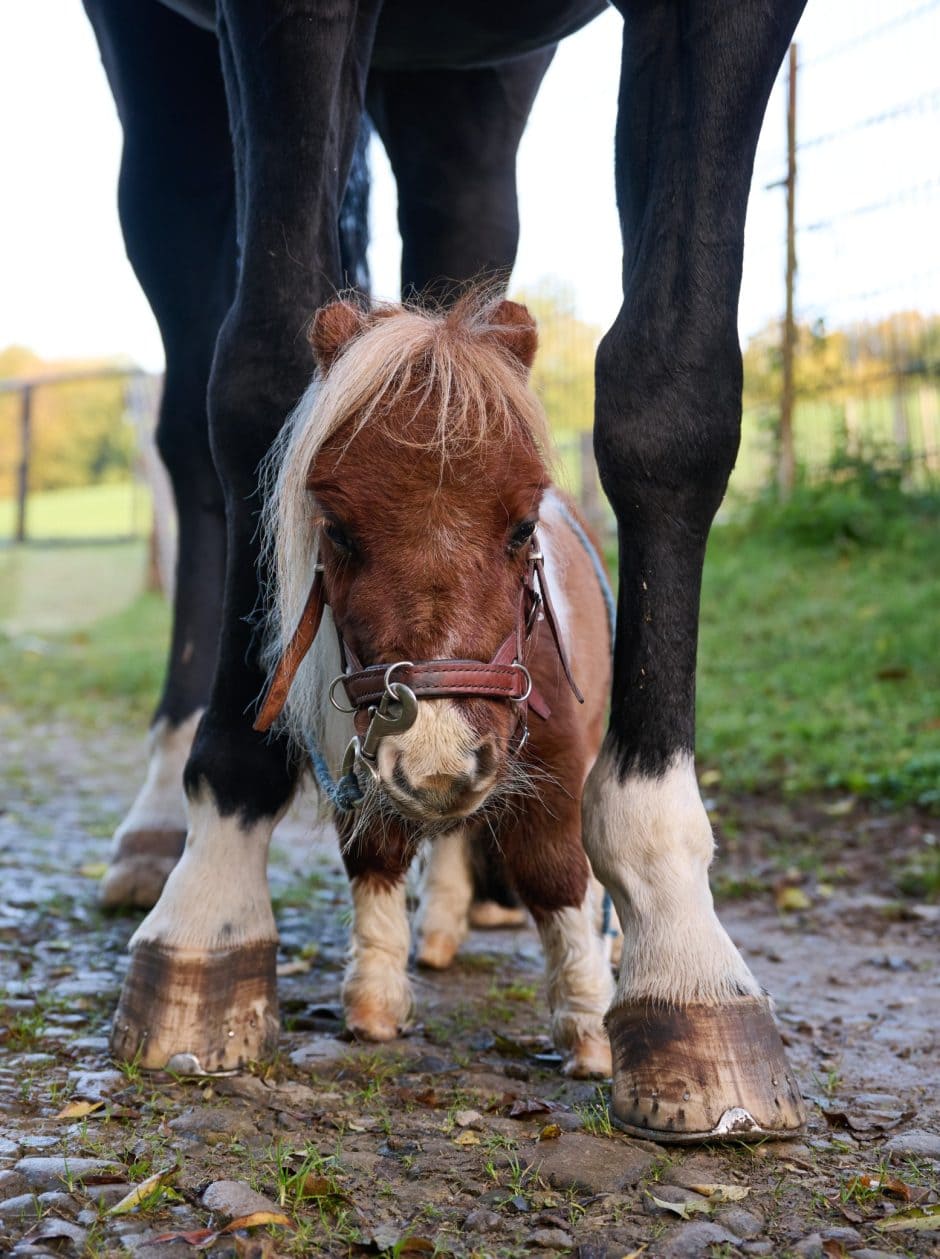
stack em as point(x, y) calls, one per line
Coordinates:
point(430, 34)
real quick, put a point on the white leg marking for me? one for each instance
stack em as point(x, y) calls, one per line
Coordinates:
point(446, 894)
point(650, 843)
point(217, 895)
point(580, 987)
point(161, 802)
point(376, 990)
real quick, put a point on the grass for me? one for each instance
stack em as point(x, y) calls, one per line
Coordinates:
point(114, 510)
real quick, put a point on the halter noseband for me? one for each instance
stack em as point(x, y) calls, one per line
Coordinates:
point(381, 706)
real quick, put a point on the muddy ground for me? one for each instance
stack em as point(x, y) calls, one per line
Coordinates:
point(462, 1138)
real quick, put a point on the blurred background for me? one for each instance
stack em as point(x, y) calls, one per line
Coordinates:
point(819, 662)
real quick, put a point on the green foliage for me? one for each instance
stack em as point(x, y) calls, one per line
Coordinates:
point(818, 666)
point(563, 375)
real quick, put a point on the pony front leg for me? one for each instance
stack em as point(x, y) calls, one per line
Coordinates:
point(445, 900)
point(548, 865)
point(377, 997)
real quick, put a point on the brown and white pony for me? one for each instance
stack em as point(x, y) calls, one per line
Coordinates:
point(413, 479)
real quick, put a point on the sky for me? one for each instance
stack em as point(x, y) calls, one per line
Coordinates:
point(867, 204)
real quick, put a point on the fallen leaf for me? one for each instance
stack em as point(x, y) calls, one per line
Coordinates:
point(684, 1209)
point(722, 1193)
point(292, 968)
point(314, 1186)
point(832, 1248)
point(415, 1246)
point(865, 1121)
point(790, 900)
point(77, 1110)
point(924, 1218)
point(551, 1132)
point(522, 1107)
point(197, 1237)
point(886, 1184)
point(93, 870)
point(466, 1138)
point(257, 1219)
point(140, 1193)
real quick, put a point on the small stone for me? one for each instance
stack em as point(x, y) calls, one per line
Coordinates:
point(468, 1119)
point(106, 1195)
point(12, 1184)
point(743, 1223)
point(568, 1121)
point(480, 1220)
point(36, 1141)
point(93, 1086)
point(232, 1199)
point(874, 1254)
point(696, 1169)
point(916, 1143)
point(590, 1164)
point(810, 1247)
point(430, 1064)
point(319, 1051)
point(8, 1148)
point(696, 1239)
point(849, 1237)
point(551, 1239)
point(205, 1123)
point(53, 1173)
point(757, 1248)
point(13, 1208)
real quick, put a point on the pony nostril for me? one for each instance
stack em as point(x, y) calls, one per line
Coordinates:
point(485, 755)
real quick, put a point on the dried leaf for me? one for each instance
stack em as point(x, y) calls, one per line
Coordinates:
point(924, 1218)
point(78, 1110)
point(832, 1248)
point(790, 900)
point(466, 1138)
point(522, 1107)
point(146, 1189)
point(684, 1209)
point(318, 1187)
point(197, 1237)
point(415, 1246)
point(551, 1132)
point(292, 968)
point(93, 870)
point(722, 1193)
point(257, 1219)
point(886, 1184)
point(866, 1121)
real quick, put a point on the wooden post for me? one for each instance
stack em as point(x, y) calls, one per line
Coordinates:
point(786, 458)
point(22, 478)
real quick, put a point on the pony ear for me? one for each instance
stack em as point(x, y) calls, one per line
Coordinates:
point(512, 327)
point(332, 328)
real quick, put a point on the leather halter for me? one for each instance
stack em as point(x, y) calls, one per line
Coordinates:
point(504, 677)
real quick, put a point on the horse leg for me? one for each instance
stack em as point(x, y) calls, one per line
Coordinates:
point(547, 862)
point(177, 204)
point(377, 997)
point(696, 1052)
point(201, 982)
point(445, 899)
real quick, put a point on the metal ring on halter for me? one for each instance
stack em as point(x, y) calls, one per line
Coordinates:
point(399, 664)
point(521, 699)
point(339, 708)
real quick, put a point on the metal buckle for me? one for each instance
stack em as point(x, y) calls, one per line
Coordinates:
point(333, 685)
point(521, 699)
point(399, 664)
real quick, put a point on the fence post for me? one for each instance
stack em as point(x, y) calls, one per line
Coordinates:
point(786, 460)
point(22, 475)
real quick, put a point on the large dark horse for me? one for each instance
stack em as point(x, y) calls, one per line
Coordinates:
point(241, 122)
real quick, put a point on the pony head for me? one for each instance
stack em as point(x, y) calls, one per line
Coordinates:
point(412, 471)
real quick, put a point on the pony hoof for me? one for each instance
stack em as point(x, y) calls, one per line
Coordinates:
point(491, 914)
point(438, 950)
point(589, 1059)
point(702, 1073)
point(139, 869)
point(370, 1023)
point(216, 1011)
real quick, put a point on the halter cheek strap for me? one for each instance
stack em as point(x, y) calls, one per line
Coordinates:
point(504, 677)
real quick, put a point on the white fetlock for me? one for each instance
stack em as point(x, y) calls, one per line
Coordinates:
point(445, 897)
point(377, 997)
point(580, 988)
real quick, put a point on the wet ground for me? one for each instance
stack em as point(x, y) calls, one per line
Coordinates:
point(463, 1138)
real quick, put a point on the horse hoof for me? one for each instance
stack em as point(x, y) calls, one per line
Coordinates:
point(491, 914)
point(372, 1023)
point(139, 868)
point(214, 1011)
point(437, 950)
point(589, 1059)
point(702, 1073)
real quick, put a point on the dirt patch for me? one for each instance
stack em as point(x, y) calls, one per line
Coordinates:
point(462, 1138)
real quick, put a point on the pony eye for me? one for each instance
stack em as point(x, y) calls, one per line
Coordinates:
point(338, 535)
point(521, 534)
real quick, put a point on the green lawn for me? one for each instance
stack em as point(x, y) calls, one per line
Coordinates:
point(818, 662)
point(113, 510)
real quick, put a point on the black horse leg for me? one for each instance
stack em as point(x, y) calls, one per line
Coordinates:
point(451, 137)
point(201, 985)
point(177, 204)
point(695, 1049)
